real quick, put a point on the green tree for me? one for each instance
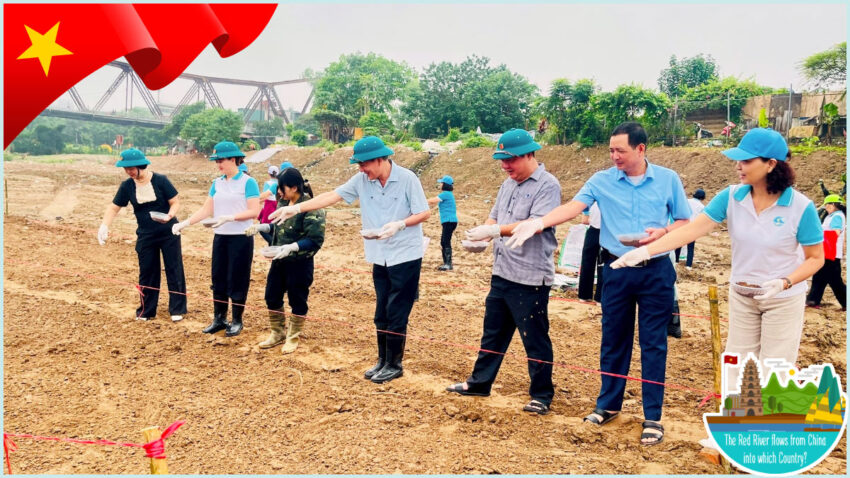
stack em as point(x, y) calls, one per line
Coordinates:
point(209, 127)
point(143, 137)
point(299, 137)
point(272, 127)
point(570, 112)
point(763, 121)
point(727, 404)
point(307, 123)
point(686, 73)
point(171, 131)
point(335, 126)
point(633, 103)
point(827, 67)
point(40, 139)
point(713, 94)
point(771, 403)
point(829, 116)
point(357, 84)
point(377, 124)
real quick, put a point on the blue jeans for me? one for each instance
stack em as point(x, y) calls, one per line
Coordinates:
point(650, 288)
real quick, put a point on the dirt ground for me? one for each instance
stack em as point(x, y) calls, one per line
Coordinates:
point(77, 365)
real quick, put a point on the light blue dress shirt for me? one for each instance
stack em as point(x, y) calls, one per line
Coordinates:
point(399, 199)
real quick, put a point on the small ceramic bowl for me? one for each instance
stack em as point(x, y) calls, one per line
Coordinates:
point(159, 217)
point(270, 251)
point(370, 233)
point(208, 222)
point(747, 291)
point(633, 239)
point(474, 246)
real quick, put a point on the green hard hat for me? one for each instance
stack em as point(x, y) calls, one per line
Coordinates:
point(833, 199)
point(369, 148)
point(226, 149)
point(131, 158)
point(513, 143)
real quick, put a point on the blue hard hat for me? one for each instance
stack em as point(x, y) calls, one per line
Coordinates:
point(369, 148)
point(759, 143)
point(446, 179)
point(284, 165)
point(226, 149)
point(513, 143)
point(243, 167)
point(131, 158)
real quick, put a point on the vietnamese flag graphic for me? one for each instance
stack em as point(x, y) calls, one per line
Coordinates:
point(48, 48)
point(732, 359)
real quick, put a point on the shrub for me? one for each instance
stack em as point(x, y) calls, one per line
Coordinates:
point(299, 137)
point(454, 135)
point(476, 141)
point(414, 145)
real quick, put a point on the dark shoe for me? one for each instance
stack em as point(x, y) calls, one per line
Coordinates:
point(536, 406)
point(447, 260)
point(606, 416)
point(459, 389)
point(656, 438)
point(382, 356)
point(395, 352)
point(219, 322)
point(235, 327)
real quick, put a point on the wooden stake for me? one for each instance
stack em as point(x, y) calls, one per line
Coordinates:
point(158, 465)
point(6, 192)
point(715, 358)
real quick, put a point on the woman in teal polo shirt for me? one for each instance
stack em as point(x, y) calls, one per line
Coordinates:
point(448, 219)
point(150, 192)
point(234, 201)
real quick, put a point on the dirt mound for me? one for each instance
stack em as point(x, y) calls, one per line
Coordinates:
point(77, 365)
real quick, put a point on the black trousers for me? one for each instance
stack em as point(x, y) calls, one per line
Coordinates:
point(293, 277)
point(510, 306)
point(590, 264)
point(446, 236)
point(231, 268)
point(395, 291)
point(829, 274)
point(149, 249)
point(690, 261)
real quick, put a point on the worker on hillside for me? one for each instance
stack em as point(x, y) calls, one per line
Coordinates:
point(291, 272)
point(234, 202)
point(155, 203)
point(635, 197)
point(697, 206)
point(521, 279)
point(834, 225)
point(269, 198)
point(448, 219)
point(392, 208)
point(590, 257)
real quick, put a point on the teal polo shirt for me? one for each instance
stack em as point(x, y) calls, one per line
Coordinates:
point(627, 208)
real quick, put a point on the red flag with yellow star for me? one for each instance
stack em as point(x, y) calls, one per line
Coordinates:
point(48, 48)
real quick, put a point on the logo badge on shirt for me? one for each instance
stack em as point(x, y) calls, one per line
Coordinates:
point(778, 221)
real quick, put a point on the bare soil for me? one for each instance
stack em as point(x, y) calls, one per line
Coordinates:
point(77, 365)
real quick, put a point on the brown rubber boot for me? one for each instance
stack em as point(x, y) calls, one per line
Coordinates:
point(293, 335)
point(277, 320)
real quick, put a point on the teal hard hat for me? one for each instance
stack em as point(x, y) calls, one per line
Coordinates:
point(243, 167)
point(284, 165)
point(446, 179)
point(369, 148)
point(226, 149)
point(131, 158)
point(513, 143)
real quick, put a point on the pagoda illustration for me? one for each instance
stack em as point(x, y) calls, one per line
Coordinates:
point(750, 398)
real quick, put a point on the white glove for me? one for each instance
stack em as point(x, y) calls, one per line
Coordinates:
point(284, 213)
point(771, 288)
point(222, 220)
point(631, 258)
point(102, 234)
point(390, 229)
point(175, 229)
point(255, 228)
point(523, 232)
point(286, 250)
point(484, 233)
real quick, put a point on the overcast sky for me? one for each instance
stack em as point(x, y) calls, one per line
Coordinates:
point(613, 44)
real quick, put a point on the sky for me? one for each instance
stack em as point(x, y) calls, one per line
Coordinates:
point(612, 44)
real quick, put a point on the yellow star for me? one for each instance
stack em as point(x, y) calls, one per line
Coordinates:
point(44, 47)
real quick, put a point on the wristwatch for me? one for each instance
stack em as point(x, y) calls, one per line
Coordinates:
point(788, 283)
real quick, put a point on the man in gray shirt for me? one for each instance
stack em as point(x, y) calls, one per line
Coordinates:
point(522, 278)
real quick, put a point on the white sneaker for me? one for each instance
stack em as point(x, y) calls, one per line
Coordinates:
point(144, 318)
point(176, 318)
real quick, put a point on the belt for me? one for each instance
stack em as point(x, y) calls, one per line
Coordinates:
point(608, 257)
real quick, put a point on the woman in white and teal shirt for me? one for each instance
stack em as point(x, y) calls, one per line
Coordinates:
point(234, 201)
point(776, 244)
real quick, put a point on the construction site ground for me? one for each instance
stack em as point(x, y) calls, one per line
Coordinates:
point(77, 364)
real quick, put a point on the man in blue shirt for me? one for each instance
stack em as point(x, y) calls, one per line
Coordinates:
point(635, 198)
point(393, 205)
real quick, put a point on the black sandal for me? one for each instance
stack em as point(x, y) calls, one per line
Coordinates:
point(655, 426)
point(536, 406)
point(606, 416)
point(458, 388)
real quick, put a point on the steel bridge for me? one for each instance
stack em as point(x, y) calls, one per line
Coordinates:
point(265, 98)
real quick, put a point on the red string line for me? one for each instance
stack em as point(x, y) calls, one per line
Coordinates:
point(703, 392)
point(154, 449)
